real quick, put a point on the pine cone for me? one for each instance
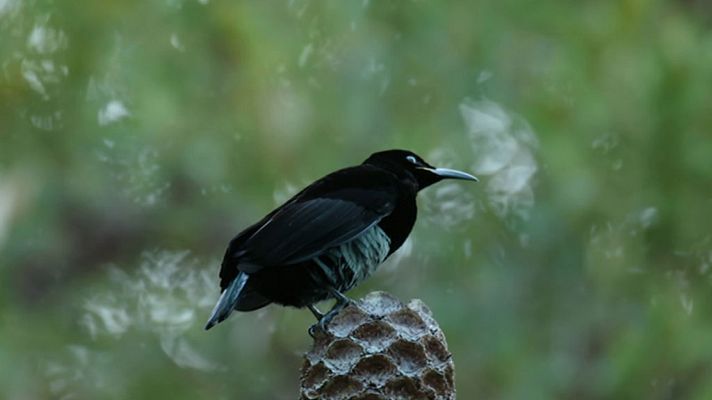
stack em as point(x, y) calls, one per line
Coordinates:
point(379, 348)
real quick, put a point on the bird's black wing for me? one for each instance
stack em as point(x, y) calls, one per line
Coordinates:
point(329, 212)
point(305, 229)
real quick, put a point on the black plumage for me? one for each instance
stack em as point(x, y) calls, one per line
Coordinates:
point(326, 238)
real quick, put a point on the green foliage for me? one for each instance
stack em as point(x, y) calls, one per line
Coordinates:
point(137, 137)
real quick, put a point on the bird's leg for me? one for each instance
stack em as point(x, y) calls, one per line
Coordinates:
point(341, 300)
point(318, 314)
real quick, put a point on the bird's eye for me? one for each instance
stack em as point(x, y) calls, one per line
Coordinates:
point(412, 160)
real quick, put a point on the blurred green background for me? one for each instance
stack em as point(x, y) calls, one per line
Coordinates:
point(136, 137)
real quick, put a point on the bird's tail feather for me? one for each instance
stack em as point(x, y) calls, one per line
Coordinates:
point(227, 301)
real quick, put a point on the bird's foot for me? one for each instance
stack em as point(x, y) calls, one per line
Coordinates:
point(324, 319)
point(323, 323)
point(321, 326)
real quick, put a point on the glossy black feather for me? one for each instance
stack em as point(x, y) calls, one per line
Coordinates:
point(303, 230)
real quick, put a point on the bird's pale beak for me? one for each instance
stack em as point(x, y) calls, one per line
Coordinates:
point(447, 173)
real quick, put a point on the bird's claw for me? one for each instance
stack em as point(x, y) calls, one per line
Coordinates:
point(312, 330)
point(322, 325)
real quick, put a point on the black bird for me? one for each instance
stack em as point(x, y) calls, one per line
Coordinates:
point(327, 238)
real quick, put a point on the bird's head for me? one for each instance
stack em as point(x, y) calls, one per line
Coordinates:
point(405, 163)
